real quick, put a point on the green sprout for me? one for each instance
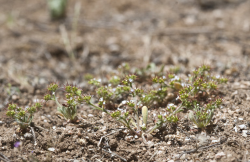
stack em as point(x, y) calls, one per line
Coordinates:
point(23, 116)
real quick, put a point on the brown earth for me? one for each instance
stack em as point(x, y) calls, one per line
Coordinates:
point(180, 33)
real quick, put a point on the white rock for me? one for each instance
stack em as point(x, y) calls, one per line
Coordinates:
point(243, 126)
point(244, 133)
point(51, 149)
point(169, 143)
point(219, 155)
point(215, 141)
point(90, 115)
point(82, 141)
point(235, 129)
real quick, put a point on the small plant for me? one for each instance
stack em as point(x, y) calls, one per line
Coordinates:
point(69, 109)
point(134, 100)
point(200, 95)
point(23, 116)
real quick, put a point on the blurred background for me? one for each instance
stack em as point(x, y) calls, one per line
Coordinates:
point(40, 41)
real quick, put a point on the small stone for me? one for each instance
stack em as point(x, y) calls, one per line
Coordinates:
point(90, 115)
point(28, 136)
point(243, 126)
point(230, 112)
point(219, 155)
point(82, 142)
point(14, 97)
point(51, 149)
point(215, 141)
point(169, 143)
point(1, 122)
point(235, 129)
point(149, 137)
point(3, 148)
point(244, 133)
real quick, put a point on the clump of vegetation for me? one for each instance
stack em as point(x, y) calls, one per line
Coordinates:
point(73, 97)
point(200, 95)
point(23, 116)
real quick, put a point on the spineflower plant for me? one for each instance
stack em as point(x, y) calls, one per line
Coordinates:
point(200, 96)
point(127, 116)
point(136, 102)
point(23, 116)
point(73, 97)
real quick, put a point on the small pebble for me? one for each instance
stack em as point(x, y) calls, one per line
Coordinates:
point(244, 133)
point(243, 126)
point(1, 122)
point(90, 115)
point(51, 149)
point(235, 129)
point(28, 136)
point(219, 155)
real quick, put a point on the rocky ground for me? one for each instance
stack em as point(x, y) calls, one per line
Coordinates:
point(108, 33)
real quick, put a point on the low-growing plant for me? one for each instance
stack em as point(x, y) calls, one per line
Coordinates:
point(200, 95)
point(23, 116)
point(129, 116)
point(69, 109)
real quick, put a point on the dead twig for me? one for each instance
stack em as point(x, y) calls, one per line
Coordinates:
point(4, 158)
point(99, 143)
point(153, 156)
point(114, 154)
point(34, 135)
point(202, 147)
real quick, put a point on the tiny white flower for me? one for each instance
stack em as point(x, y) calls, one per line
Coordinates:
point(130, 80)
point(101, 99)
